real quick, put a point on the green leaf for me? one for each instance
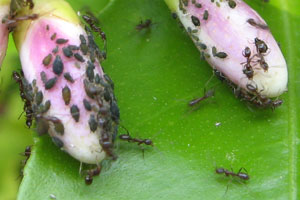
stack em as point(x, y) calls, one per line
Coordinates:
point(156, 72)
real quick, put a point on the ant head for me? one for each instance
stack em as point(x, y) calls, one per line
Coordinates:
point(148, 142)
point(277, 103)
point(247, 52)
point(220, 170)
point(88, 180)
point(28, 149)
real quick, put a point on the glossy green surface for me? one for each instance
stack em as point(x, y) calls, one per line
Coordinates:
point(156, 72)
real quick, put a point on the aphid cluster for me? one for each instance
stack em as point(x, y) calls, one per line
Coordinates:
point(193, 31)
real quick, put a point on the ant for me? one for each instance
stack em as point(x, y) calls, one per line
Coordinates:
point(262, 101)
point(128, 138)
point(208, 94)
point(27, 106)
point(252, 22)
point(92, 23)
point(12, 22)
point(143, 25)
point(241, 175)
point(91, 173)
point(248, 70)
point(26, 153)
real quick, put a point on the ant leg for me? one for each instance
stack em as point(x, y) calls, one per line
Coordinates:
point(21, 115)
point(242, 168)
point(80, 169)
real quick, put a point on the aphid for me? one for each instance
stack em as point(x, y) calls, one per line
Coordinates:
point(174, 15)
point(241, 175)
point(66, 94)
point(47, 27)
point(143, 25)
point(198, 5)
point(73, 47)
point(43, 77)
point(221, 55)
point(58, 66)
point(61, 41)
point(53, 36)
point(93, 123)
point(87, 105)
point(90, 72)
point(231, 4)
point(195, 20)
point(55, 50)
point(39, 97)
point(47, 60)
point(79, 57)
point(219, 75)
point(68, 77)
point(59, 127)
point(67, 52)
point(75, 112)
point(252, 22)
point(208, 94)
point(82, 39)
point(91, 173)
point(50, 83)
point(205, 15)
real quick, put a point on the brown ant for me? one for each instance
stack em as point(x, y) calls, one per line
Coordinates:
point(27, 154)
point(248, 70)
point(261, 46)
point(208, 94)
point(143, 25)
point(241, 175)
point(27, 106)
point(262, 101)
point(12, 22)
point(92, 23)
point(128, 138)
point(91, 173)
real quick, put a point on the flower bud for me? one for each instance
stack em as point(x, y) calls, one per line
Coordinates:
point(71, 97)
point(238, 44)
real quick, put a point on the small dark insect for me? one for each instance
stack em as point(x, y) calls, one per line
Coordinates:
point(93, 123)
point(208, 94)
point(261, 46)
point(106, 142)
point(58, 65)
point(174, 15)
point(144, 25)
point(66, 94)
point(47, 59)
point(68, 77)
point(128, 138)
point(79, 57)
point(241, 175)
point(248, 70)
point(75, 112)
point(89, 20)
point(252, 22)
point(91, 173)
point(27, 103)
point(195, 20)
point(205, 15)
point(61, 41)
point(50, 83)
point(53, 36)
point(12, 23)
point(27, 153)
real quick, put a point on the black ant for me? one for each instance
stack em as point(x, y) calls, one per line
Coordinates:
point(262, 101)
point(208, 94)
point(261, 46)
point(143, 25)
point(128, 138)
point(241, 175)
point(92, 23)
point(91, 173)
point(248, 70)
point(27, 106)
point(27, 154)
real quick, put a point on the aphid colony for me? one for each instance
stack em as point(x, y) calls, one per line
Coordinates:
point(254, 61)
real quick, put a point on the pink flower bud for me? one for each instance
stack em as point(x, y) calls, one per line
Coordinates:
point(71, 97)
point(238, 44)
